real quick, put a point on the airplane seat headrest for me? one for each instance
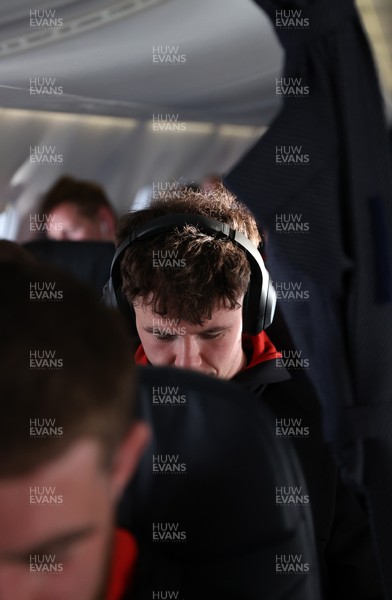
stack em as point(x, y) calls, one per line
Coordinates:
point(87, 261)
point(203, 502)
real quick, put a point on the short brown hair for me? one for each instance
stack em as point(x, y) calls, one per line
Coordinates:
point(213, 270)
point(86, 390)
point(86, 195)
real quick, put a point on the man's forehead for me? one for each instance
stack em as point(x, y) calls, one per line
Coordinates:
point(220, 316)
point(66, 207)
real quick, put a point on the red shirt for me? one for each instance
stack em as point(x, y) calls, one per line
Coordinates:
point(258, 347)
point(123, 564)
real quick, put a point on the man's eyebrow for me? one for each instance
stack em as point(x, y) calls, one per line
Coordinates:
point(42, 547)
point(216, 329)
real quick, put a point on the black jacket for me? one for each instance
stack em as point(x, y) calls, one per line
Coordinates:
point(347, 561)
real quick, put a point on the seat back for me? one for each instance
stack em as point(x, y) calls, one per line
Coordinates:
point(87, 261)
point(203, 503)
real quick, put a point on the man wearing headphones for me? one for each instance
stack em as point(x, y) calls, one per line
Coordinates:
point(189, 313)
point(189, 275)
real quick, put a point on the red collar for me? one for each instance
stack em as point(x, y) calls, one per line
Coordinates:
point(123, 564)
point(258, 347)
point(140, 357)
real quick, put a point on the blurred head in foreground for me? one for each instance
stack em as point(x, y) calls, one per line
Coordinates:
point(68, 439)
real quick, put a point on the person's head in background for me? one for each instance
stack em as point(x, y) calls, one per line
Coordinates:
point(187, 286)
point(210, 183)
point(78, 210)
point(68, 439)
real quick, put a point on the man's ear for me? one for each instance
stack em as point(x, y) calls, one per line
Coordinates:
point(127, 457)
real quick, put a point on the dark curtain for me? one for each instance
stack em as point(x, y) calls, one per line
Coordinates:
point(328, 222)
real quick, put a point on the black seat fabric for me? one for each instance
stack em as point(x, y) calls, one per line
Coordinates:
point(87, 261)
point(213, 529)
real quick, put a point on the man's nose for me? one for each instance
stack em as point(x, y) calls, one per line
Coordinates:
point(188, 353)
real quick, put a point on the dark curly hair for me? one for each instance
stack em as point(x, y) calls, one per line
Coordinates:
point(197, 271)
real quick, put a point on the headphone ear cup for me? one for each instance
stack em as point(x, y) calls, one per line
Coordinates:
point(108, 295)
point(131, 320)
point(127, 312)
point(246, 326)
point(259, 303)
point(116, 300)
point(270, 305)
